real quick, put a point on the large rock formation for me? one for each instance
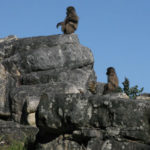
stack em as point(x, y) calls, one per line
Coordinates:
point(32, 65)
point(45, 80)
point(95, 123)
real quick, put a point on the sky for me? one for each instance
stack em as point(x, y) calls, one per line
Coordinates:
point(116, 31)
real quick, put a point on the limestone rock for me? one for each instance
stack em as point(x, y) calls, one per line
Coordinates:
point(144, 96)
point(117, 95)
point(44, 80)
point(60, 143)
point(98, 144)
point(30, 66)
point(21, 97)
point(6, 46)
point(116, 118)
point(31, 119)
point(4, 88)
point(100, 88)
point(9, 38)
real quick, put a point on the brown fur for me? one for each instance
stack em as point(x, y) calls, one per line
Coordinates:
point(112, 81)
point(92, 85)
point(70, 24)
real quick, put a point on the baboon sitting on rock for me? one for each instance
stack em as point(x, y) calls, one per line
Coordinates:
point(112, 81)
point(70, 24)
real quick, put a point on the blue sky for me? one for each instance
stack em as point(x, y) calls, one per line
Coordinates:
point(117, 31)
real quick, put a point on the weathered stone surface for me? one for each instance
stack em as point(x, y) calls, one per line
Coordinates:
point(144, 96)
point(11, 132)
point(123, 120)
point(129, 117)
point(34, 64)
point(100, 88)
point(47, 53)
point(117, 95)
point(98, 144)
point(4, 90)
point(61, 143)
point(5, 79)
point(65, 112)
point(20, 99)
point(8, 39)
point(31, 119)
point(48, 77)
point(6, 46)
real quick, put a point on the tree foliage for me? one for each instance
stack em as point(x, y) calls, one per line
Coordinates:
point(132, 92)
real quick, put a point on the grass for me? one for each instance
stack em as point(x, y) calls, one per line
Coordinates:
point(14, 146)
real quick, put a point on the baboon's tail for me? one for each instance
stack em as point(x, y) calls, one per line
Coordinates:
point(58, 24)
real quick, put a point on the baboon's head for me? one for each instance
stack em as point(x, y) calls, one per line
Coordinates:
point(110, 70)
point(70, 9)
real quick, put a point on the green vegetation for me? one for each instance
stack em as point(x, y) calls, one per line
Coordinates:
point(132, 92)
point(7, 142)
point(16, 146)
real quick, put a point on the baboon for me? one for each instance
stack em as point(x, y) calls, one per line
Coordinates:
point(112, 81)
point(70, 24)
point(92, 86)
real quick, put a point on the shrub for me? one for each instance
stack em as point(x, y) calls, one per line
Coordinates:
point(132, 92)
